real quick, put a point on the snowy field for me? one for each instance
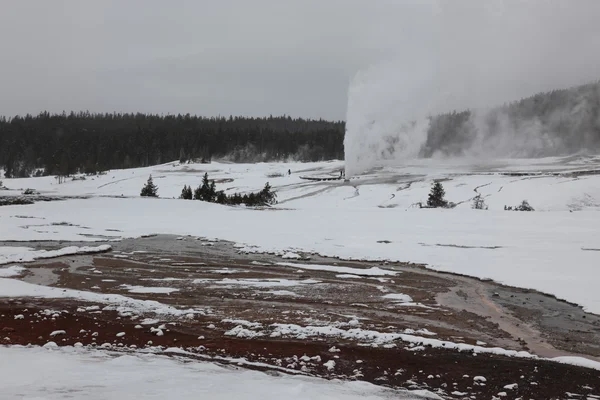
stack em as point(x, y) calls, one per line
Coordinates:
point(41, 373)
point(555, 249)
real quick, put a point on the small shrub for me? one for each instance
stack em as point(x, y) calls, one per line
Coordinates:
point(524, 206)
point(479, 203)
point(28, 191)
point(149, 189)
point(274, 175)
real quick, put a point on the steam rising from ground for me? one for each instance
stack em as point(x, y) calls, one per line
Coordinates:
point(459, 55)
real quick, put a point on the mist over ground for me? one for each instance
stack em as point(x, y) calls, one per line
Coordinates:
point(445, 88)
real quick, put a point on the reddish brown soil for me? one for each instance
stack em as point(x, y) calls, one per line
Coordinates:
point(433, 369)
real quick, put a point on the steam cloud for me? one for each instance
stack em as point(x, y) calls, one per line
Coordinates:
point(459, 55)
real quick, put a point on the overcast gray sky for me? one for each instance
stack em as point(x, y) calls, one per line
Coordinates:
point(240, 57)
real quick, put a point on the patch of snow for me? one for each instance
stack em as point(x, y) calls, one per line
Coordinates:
point(330, 365)
point(241, 332)
point(223, 271)
point(9, 254)
point(260, 283)
point(579, 361)
point(283, 293)
point(144, 289)
point(248, 324)
point(56, 333)
point(373, 271)
point(290, 255)
point(13, 270)
point(402, 298)
point(16, 288)
point(163, 279)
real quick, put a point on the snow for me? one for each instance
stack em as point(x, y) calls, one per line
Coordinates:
point(373, 271)
point(243, 322)
point(9, 254)
point(283, 293)
point(16, 288)
point(73, 371)
point(330, 365)
point(291, 255)
point(375, 337)
point(259, 283)
point(13, 270)
point(582, 362)
point(241, 332)
point(56, 333)
point(144, 289)
point(370, 217)
point(402, 298)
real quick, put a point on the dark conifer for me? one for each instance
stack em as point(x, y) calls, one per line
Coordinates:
point(436, 196)
point(149, 189)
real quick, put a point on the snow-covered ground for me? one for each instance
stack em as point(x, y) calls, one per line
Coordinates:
point(10, 254)
point(555, 249)
point(40, 373)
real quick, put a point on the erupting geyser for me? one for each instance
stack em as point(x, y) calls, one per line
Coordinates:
point(477, 56)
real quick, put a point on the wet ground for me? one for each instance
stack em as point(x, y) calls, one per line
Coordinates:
point(294, 312)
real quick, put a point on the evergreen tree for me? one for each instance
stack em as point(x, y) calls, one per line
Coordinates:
point(267, 196)
point(186, 193)
point(149, 189)
point(205, 188)
point(436, 196)
point(198, 193)
point(221, 197)
point(212, 192)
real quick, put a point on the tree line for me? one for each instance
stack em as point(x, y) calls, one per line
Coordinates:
point(566, 121)
point(64, 144)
